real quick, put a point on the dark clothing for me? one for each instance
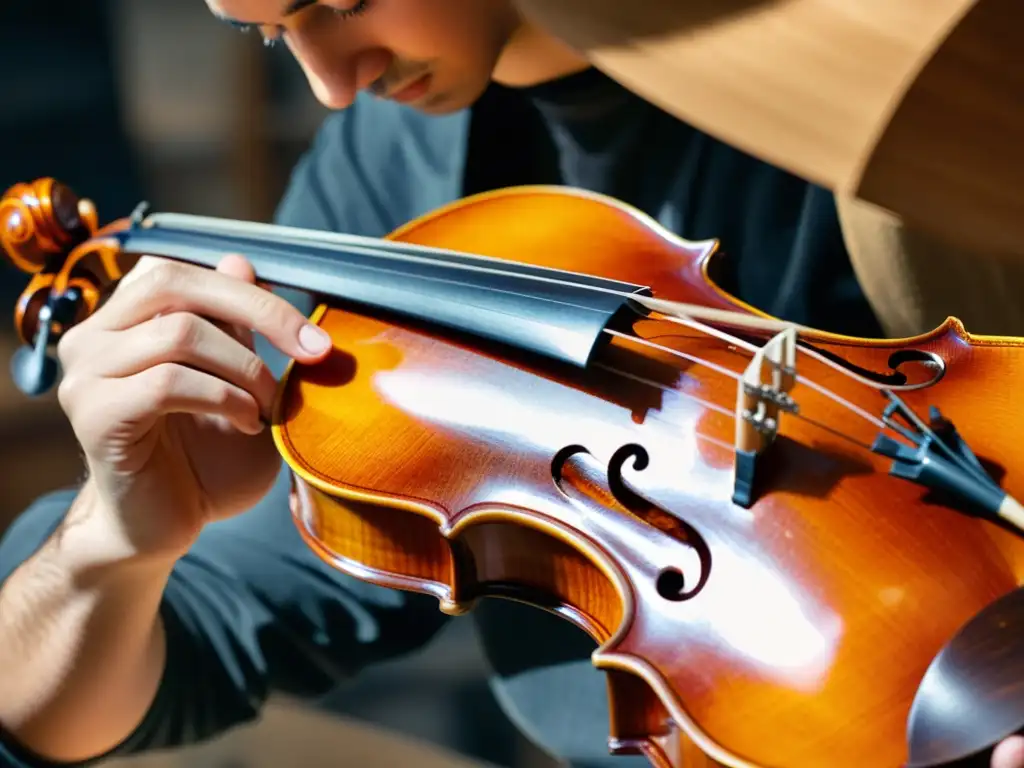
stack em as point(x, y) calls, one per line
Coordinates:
point(251, 610)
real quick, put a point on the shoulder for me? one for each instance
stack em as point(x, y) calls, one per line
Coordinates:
point(374, 166)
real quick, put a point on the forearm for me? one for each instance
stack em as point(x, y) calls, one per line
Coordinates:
point(81, 643)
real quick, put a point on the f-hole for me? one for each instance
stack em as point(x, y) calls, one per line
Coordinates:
point(579, 477)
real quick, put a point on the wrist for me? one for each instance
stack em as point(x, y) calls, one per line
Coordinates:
point(94, 546)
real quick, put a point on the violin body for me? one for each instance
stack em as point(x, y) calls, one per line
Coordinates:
point(802, 626)
point(795, 630)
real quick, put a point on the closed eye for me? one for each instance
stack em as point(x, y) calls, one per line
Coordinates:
point(272, 32)
point(355, 10)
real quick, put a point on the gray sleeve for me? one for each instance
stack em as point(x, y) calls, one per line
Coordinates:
point(250, 609)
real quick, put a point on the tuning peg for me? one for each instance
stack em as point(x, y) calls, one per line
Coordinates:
point(33, 370)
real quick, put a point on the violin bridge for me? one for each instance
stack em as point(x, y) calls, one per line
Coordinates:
point(763, 394)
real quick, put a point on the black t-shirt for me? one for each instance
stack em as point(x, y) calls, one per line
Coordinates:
point(250, 610)
point(782, 246)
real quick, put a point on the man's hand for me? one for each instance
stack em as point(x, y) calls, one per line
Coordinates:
point(1009, 753)
point(166, 395)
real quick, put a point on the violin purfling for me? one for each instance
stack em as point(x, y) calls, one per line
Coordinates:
point(794, 549)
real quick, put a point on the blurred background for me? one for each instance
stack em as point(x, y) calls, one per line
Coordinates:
point(130, 100)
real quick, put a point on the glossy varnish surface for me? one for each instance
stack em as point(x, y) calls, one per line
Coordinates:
point(793, 634)
point(808, 619)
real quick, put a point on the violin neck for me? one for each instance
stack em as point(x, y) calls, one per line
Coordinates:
point(549, 312)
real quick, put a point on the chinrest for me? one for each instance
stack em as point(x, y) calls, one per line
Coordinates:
point(972, 696)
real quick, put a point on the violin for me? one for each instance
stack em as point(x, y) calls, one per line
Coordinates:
point(795, 549)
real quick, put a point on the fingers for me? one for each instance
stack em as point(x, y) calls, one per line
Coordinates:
point(141, 399)
point(179, 338)
point(1009, 753)
point(236, 266)
point(168, 287)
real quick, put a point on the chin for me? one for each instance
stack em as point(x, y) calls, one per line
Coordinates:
point(445, 101)
point(440, 104)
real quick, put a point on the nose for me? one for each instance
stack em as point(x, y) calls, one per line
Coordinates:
point(336, 66)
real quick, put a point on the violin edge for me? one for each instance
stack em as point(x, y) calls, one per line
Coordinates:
point(952, 325)
point(628, 676)
point(709, 249)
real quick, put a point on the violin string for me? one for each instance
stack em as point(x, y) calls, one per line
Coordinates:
point(833, 431)
point(711, 406)
point(809, 351)
point(873, 420)
point(676, 353)
point(753, 348)
point(728, 412)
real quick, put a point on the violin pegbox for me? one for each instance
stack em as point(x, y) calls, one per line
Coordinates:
point(42, 224)
point(762, 395)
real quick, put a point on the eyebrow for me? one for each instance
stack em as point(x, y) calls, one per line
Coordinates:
point(292, 8)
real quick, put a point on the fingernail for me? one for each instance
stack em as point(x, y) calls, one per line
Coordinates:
point(314, 339)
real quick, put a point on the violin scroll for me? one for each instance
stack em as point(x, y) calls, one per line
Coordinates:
point(45, 231)
point(42, 221)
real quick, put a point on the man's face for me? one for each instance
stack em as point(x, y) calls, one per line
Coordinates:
point(436, 55)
